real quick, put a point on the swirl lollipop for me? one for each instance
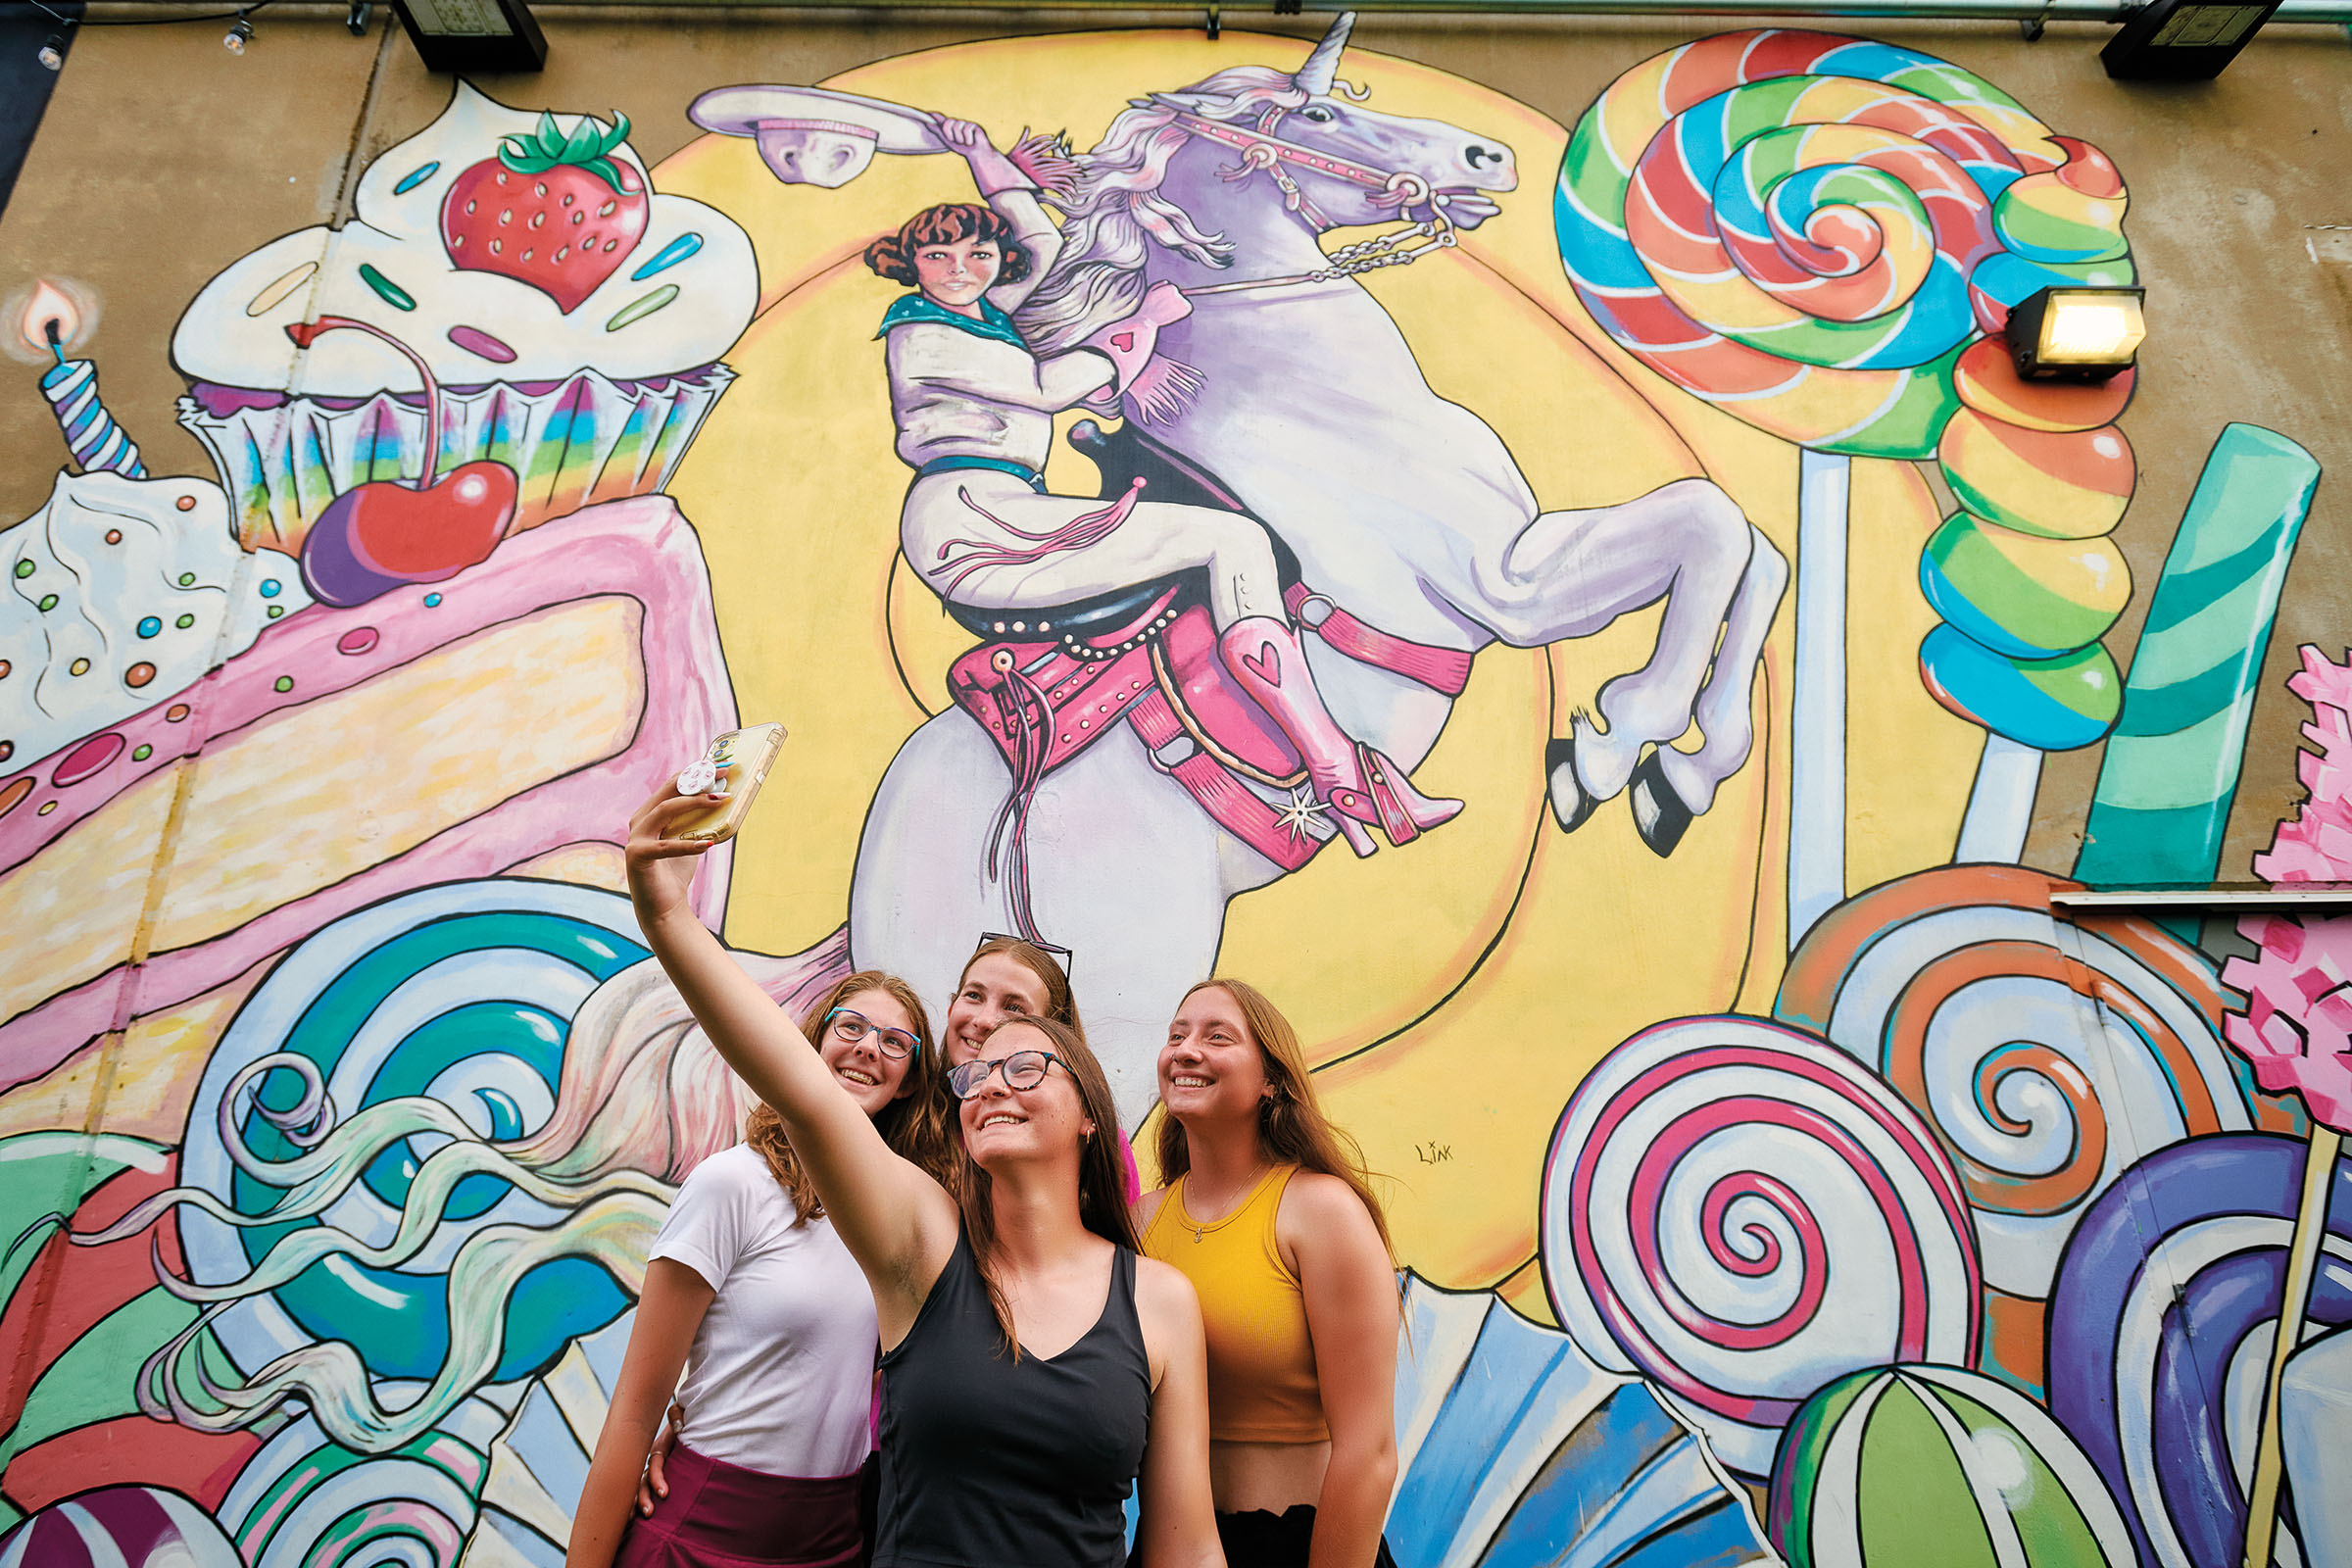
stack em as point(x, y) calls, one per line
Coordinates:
point(1816, 233)
point(2046, 1054)
point(1708, 1180)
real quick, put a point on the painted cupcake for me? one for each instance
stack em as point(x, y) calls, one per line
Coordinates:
point(574, 319)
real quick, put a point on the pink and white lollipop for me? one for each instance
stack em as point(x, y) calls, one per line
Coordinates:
point(1708, 1181)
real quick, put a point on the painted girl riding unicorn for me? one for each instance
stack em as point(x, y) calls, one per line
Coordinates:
point(974, 410)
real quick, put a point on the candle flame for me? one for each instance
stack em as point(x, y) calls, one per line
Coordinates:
point(51, 304)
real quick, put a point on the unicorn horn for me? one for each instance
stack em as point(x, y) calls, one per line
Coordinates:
point(1323, 65)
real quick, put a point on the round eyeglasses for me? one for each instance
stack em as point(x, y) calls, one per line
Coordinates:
point(855, 1026)
point(1023, 1069)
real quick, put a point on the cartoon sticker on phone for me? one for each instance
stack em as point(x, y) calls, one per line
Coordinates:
point(735, 766)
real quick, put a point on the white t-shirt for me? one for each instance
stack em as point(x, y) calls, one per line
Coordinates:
point(782, 1373)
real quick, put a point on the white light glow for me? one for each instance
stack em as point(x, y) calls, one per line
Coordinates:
point(2091, 330)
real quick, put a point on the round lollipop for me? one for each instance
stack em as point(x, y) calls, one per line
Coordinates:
point(1879, 1459)
point(1708, 1182)
point(1816, 233)
point(119, 1527)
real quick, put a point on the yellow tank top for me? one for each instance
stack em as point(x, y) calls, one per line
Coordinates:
point(1261, 1361)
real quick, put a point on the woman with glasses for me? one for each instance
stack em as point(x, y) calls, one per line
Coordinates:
point(1035, 1370)
point(1268, 1211)
point(749, 1288)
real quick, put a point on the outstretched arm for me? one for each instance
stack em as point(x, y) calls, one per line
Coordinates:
point(896, 1222)
point(668, 1312)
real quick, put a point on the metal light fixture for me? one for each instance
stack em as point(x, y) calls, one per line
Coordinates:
point(359, 16)
point(2077, 334)
point(467, 37)
point(52, 53)
point(239, 34)
point(2182, 40)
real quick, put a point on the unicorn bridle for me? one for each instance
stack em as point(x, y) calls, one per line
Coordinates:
point(1398, 190)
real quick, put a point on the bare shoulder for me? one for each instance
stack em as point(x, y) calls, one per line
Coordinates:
point(1165, 1301)
point(1315, 1204)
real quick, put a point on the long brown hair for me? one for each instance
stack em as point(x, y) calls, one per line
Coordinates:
point(904, 1123)
point(1102, 1181)
point(1291, 1128)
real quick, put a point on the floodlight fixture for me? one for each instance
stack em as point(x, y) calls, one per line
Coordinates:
point(239, 34)
point(470, 38)
point(2083, 333)
point(2182, 40)
point(52, 52)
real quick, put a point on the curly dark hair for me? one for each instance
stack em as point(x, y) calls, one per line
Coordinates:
point(892, 255)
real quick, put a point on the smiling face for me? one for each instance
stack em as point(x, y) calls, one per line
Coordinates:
point(956, 272)
point(1211, 1068)
point(872, 1079)
point(996, 985)
point(1002, 1124)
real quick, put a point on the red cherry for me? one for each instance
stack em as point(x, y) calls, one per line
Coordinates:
point(429, 535)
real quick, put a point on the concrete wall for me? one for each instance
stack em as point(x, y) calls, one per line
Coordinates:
point(1699, 1116)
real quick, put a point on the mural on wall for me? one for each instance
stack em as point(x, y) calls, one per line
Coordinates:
point(1888, 1197)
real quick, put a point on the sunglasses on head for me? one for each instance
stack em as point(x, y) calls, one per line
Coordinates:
point(1060, 954)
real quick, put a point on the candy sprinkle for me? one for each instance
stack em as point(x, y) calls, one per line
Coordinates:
point(141, 752)
point(669, 255)
point(184, 622)
point(643, 308)
point(79, 667)
point(48, 602)
point(432, 601)
point(137, 676)
point(474, 340)
point(271, 587)
point(283, 683)
point(151, 626)
point(414, 178)
point(188, 579)
point(271, 296)
point(114, 536)
point(389, 292)
point(24, 568)
point(175, 713)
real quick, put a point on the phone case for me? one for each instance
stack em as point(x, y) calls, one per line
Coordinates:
point(740, 758)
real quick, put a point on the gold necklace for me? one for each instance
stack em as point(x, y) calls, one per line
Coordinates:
point(1186, 1210)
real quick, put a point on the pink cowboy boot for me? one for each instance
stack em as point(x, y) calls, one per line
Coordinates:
point(1360, 785)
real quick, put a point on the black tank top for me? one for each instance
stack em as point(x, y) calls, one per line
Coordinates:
point(988, 1461)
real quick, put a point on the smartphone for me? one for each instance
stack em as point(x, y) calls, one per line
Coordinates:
point(741, 759)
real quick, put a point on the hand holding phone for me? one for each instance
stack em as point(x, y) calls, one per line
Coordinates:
point(735, 765)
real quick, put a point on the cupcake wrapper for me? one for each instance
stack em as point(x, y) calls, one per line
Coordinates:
point(584, 441)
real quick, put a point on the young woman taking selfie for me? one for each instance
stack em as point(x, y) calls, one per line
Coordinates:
point(1268, 1212)
point(749, 1287)
point(1035, 1369)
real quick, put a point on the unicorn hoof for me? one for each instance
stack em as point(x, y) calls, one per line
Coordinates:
point(1571, 803)
point(1659, 815)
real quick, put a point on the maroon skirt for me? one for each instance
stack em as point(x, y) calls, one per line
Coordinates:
point(722, 1515)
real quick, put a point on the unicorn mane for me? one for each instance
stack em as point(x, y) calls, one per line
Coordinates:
point(1116, 213)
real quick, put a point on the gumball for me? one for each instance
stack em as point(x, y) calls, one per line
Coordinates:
point(1881, 1461)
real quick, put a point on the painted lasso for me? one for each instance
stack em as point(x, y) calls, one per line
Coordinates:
point(1707, 1181)
point(2161, 1328)
point(2046, 1054)
point(1816, 233)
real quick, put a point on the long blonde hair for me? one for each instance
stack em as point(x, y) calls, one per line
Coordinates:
point(903, 1123)
point(1102, 1180)
point(1292, 1127)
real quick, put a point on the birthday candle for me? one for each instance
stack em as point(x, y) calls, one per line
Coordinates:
point(96, 440)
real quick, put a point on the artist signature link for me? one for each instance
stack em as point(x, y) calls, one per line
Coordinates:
point(1432, 1152)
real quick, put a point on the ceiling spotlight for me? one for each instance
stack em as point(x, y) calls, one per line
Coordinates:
point(356, 19)
point(52, 54)
point(240, 33)
point(2077, 334)
point(2182, 40)
point(468, 37)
